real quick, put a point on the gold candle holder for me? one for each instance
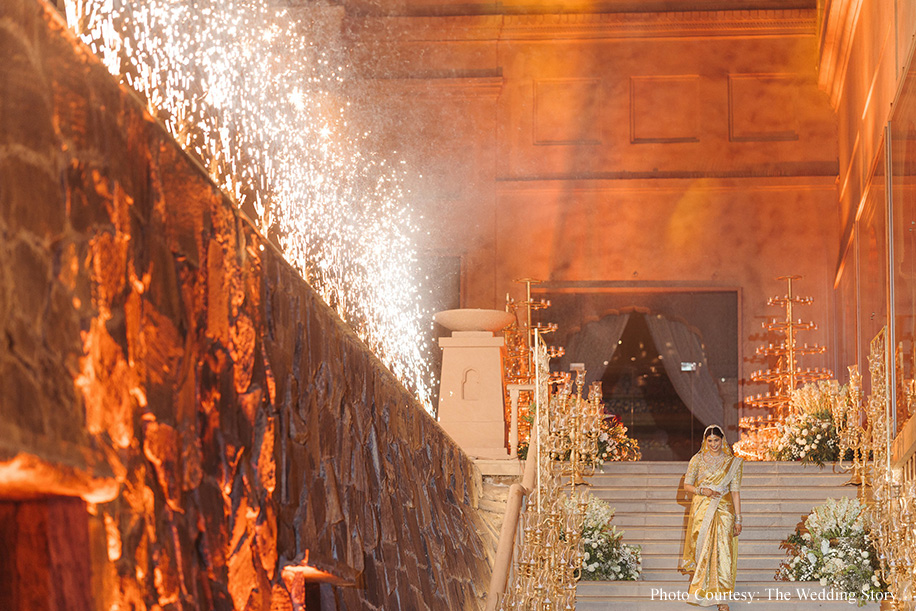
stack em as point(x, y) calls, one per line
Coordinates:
point(549, 561)
point(784, 378)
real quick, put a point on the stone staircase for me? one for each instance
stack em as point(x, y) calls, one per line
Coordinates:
point(651, 508)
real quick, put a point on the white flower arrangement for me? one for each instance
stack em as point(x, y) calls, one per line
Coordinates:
point(837, 518)
point(836, 551)
point(606, 558)
point(808, 434)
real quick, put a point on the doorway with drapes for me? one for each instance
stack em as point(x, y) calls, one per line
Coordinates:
point(658, 373)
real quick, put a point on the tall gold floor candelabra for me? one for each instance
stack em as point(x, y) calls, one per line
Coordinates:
point(890, 511)
point(565, 443)
point(518, 363)
point(788, 373)
point(854, 430)
point(760, 432)
point(892, 506)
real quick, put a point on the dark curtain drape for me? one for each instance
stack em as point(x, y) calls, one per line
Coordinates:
point(697, 389)
point(595, 344)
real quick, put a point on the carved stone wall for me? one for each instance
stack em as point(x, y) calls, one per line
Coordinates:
point(232, 439)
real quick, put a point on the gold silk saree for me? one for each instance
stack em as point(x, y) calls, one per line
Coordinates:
point(710, 546)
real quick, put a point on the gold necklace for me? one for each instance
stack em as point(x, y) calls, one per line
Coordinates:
point(713, 461)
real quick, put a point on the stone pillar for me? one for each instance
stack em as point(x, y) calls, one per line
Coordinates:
point(471, 404)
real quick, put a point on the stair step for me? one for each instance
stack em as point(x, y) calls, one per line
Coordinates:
point(669, 519)
point(493, 506)
point(678, 494)
point(495, 492)
point(754, 467)
point(840, 477)
point(670, 572)
point(749, 506)
point(655, 534)
point(673, 547)
point(751, 562)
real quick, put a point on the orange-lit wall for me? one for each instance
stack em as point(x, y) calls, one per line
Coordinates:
point(652, 150)
point(865, 52)
point(865, 49)
point(159, 363)
point(865, 64)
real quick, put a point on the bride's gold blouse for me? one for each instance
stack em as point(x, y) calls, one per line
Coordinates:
point(704, 466)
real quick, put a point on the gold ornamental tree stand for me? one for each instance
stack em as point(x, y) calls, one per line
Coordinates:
point(761, 431)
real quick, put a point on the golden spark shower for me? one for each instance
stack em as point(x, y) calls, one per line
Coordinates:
point(258, 94)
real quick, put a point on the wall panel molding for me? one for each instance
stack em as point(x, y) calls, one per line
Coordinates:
point(665, 109)
point(763, 107)
point(567, 111)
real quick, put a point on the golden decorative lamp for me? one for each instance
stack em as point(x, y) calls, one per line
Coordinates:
point(549, 559)
point(787, 376)
point(519, 372)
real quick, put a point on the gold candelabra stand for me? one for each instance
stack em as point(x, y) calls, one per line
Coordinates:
point(520, 349)
point(520, 339)
point(574, 427)
point(906, 388)
point(892, 508)
point(788, 374)
point(760, 432)
point(853, 435)
point(549, 560)
point(863, 426)
point(891, 511)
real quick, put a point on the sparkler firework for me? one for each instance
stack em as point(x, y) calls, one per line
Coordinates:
point(256, 93)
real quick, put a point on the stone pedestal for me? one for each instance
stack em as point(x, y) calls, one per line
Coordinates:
point(471, 393)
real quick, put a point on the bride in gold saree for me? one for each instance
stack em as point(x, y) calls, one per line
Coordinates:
point(711, 541)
